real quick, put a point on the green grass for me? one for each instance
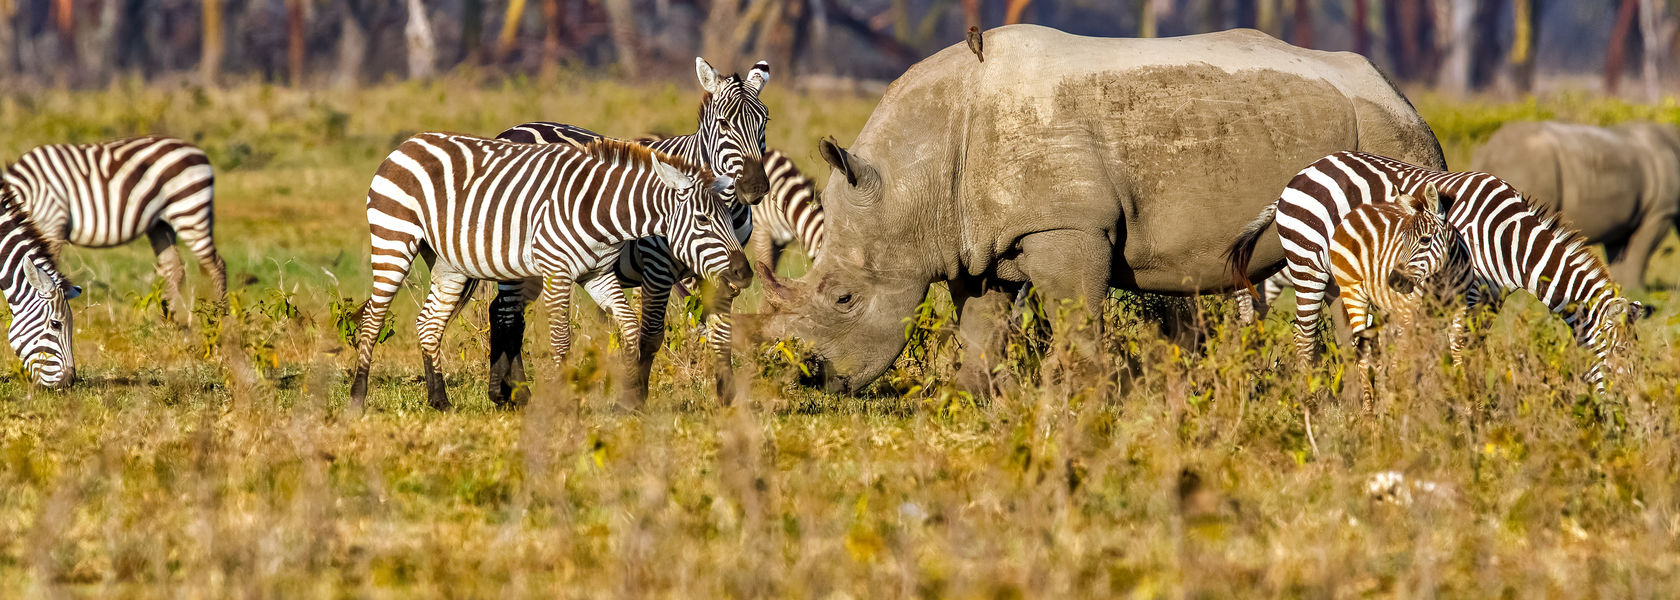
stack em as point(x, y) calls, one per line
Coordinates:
point(219, 460)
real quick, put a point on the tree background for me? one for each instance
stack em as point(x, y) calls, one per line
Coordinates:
point(1460, 46)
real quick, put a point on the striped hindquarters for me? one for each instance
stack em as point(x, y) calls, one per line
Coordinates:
point(791, 211)
point(101, 195)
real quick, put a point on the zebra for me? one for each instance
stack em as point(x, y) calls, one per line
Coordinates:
point(1381, 256)
point(1509, 243)
point(108, 194)
point(729, 139)
point(477, 209)
point(38, 295)
point(791, 211)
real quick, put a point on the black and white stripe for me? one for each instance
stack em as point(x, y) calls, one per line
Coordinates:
point(1511, 246)
point(729, 139)
point(41, 329)
point(102, 195)
point(478, 209)
point(791, 212)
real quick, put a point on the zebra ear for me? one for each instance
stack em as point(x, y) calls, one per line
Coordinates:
point(671, 176)
point(1432, 199)
point(758, 76)
point(39, 279)
point(709, 77)
point(1637, 311)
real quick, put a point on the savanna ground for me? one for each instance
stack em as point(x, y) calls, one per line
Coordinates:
point(219, 459)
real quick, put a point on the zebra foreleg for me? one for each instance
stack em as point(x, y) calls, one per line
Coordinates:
point(609, 295)
point(719, 304)
point(169, 267)
point(509, 385)
point(656, 295)
point(557, 298)
point(449, 290)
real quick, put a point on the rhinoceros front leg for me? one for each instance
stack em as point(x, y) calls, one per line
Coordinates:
point(982, 331)
point(1627, 266)
point(1070, 270)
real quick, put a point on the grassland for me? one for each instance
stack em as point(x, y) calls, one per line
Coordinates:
point(217, 459)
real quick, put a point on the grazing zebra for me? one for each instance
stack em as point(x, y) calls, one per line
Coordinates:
point(103, 195)
point(1511, 246)
point(790, 212)
point(1381, 257)
point(38, 295)
point(493, 210)
point(730, 140)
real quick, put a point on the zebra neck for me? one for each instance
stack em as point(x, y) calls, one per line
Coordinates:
point(687, 147)
point(15, 256)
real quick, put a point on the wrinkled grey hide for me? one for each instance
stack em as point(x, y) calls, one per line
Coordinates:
point(1619, 185)
point(1076, 164)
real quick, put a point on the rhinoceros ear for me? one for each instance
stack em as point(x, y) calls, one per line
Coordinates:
point(841, 160)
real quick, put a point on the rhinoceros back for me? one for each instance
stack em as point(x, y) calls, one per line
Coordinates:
point(1171, 145)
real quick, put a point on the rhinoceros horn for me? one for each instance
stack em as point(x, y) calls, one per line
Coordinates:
point(780, 294)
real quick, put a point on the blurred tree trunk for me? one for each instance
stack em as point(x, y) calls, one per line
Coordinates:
point(294, 41)
point(1407, 24)
point(8, 39)
point(510, 29)
point(1213, 19)
point(1485, 51)
point(621, 22)
point(422, 49)
point(971, 13)
point(1012, 13)
point(1147, 19)
point(1268, 17)
point(1361, 27)
point(1655, 28)
point(1615, 56)
point(1525, 42)
point(102, 53)
point(211, 42)
point(1303, 24)
point(554, 23)
point(472, 31)
point(352, 49)
point(1245, 14)
point(1455, 45)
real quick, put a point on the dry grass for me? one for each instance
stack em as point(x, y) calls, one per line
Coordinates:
point(217, 461)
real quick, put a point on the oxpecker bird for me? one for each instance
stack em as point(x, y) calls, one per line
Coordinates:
point(976, 43)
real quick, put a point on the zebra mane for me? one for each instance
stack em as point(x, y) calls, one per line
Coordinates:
point(620, 152)
point(1563, 233)
point(11, 208)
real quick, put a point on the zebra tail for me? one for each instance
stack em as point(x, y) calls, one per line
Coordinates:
point(1241, 251)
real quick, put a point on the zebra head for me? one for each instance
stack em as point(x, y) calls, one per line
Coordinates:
point(1607, 328)
point(1431, 236)
point(41, 326)
point(735, 149)
point(699, 230)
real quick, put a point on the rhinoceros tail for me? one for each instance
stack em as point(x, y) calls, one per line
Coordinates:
point(1242, 250)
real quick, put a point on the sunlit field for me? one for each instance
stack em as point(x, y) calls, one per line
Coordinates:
point(217, 457)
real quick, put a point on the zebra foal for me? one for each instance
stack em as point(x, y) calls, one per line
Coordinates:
point(108, 194)
point(1382, 256)
point(1510, 246)
point(478, 209)
point(38, 295)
